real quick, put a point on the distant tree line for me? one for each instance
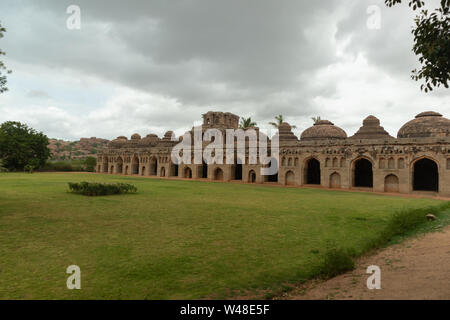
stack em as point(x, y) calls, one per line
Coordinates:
point(25, 149)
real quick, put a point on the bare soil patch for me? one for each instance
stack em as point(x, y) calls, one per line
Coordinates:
point(418, 268)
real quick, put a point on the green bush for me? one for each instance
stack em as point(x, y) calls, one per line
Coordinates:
point(336, 261)
point(101, 189)
point(406, 221)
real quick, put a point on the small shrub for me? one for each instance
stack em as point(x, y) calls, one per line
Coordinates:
point(336, 261)
point(101, 189)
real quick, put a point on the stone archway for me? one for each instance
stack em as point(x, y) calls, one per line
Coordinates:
point(187, 173)
point(143, 171)
point(312, 171)
point(252, 176)
point(273, 163)
point(238, 171)
point(362, 173)
point(391, 183)
point(204, 170)
point(153, 166)
point(290, 178)
point(119, 167)
point(135, 165)
point(335, 180)
point(105, 165)
point(218, 174)
point(163, 172)
point(425, 175)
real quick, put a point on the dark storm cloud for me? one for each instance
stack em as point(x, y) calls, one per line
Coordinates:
point(200, 52)
point(166, 62)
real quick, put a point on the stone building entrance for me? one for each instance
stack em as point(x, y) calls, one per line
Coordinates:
point(425, 176)
point(363, 174)
point(312, 171)
point(335, 180)
point(391, 183)
point(218, 174)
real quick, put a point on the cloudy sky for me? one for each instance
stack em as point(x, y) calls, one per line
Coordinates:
point(150, 66)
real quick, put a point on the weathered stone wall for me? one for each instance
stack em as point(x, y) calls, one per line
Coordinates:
point(392, 160)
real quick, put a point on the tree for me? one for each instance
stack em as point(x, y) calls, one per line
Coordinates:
point(3, 87)
point(21, 146)
point(2, 168)
point(316, 119)
point(246, 123)
point(90, 163)
point(431, 43)
point(279, 120)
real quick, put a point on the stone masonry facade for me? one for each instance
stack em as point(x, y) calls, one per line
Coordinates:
point(417, 161)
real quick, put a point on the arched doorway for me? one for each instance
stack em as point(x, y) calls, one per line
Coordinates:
point(204, 170)
point(126, 170)
point(143, 173)
point(119, 168)
point(105, 166)
point(188, 173)
point(218, 174)
point(290, 178)
point(135, 165)
point(252, 176)
point(425, 176)
point(163, 172)
point(312, 171)
point(174, 170)
point(153, 166)
point(362, 173)
point(335, 180)
point(273, 163)
point(238, 171)
point(391, 183)
point(111, 170)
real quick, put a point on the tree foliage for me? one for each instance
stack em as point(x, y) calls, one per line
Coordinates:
point(22, 146)
point(90, 163)
point(3, 69)
point(431, 43)
point(315, 119)
point(246, 123)
point(279, 120)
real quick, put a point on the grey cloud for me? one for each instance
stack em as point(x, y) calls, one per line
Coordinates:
point(255, 58)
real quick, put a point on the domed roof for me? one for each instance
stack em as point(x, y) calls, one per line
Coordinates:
point(168, 136)
point(285, 133)
point(321, 130)
point(135, 136)
point(426, 124)
point(118, 142)
point(371, 129)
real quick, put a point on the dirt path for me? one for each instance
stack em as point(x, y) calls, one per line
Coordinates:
point(415, 269)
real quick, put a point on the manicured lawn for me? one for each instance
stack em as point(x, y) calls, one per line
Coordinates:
point(174, 239)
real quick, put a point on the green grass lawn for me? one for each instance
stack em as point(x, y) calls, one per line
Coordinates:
point(174, 239)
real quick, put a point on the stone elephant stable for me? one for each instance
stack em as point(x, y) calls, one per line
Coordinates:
point(417, 161)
